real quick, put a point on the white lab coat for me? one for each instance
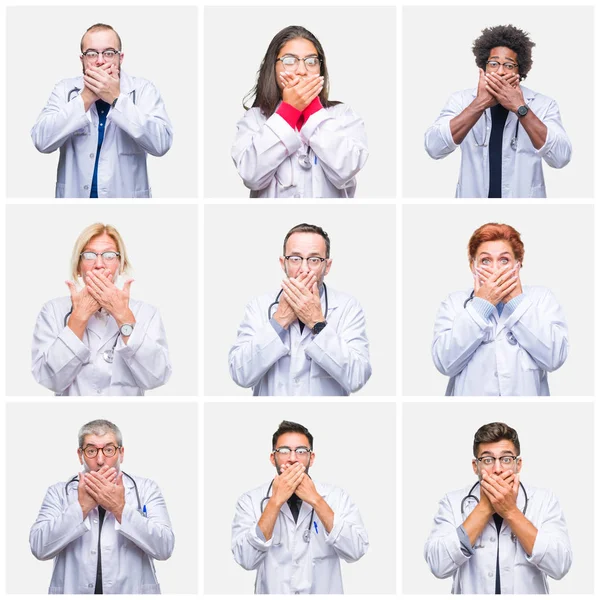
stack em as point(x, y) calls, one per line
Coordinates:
point(519, 573)
point(319, 161)
point(72, 367)
point(137, 125)
point(333, 363)
point(522, 175)
point(61, 533)
point(477, 354)
point(286, 564)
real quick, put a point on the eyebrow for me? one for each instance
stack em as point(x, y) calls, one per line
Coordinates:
point(501, 253)
point(105, 49)
point(309, 255)
point(488, 453)
point(296, 56)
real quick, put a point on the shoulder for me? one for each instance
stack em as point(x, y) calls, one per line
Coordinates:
point(60, 305)
point(135, 83)
point(331, 493)
point(253, 114)
point(533, 96)
point(144, 484)
point(457, 299)
point(537, 293)
point(340, 109)
point(142, 307)
point(256, 494)
point(70, 83)
point(341, 298)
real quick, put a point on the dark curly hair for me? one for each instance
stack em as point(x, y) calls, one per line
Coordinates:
point(507, 36)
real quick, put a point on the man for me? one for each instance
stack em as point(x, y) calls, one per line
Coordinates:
point(503, 129)
point(103, 527)
point(499, 536)
point(105, 122)
point(294, 531)
point(306, 340)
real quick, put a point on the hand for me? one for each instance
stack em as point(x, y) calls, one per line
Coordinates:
point(285, 484)
point(494, 286)
point(110, 297)
point(103, 81)
point(307, 491)
point(510, 96)
point(84, 304)
point(502, 491)
point(484, 98)
point(300, 92)
point(518, 290)
point(284, 314)
point(304, 298)
point(86, 501)
point(108, 494)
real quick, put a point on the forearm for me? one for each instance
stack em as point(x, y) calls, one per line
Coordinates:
point(464, 122)
point(475, 523)
point(524, 529)
point(267, 521)
point(77, 324)
point(324, 513)
point(536, 130)
point(152, 534)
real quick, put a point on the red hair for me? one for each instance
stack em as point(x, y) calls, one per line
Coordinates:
point(492, 232)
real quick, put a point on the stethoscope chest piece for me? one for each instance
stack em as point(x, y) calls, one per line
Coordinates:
point(109, 355)
point(512, 340)
point(306, 535)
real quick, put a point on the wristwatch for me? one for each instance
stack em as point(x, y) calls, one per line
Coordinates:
point(523, 110)
point(127, 329)
point(319, 327)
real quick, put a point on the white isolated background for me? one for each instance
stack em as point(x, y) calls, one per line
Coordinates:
point(559, 255)
point(360, 47)
point(161, 242)
point(242, 246)
point(437, 448)
point(160, 44)
point(438, 60)
point(348, 454)
point(38, 455)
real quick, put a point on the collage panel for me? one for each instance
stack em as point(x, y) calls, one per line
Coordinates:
point(534, 462)
point(75, 490)
point(526, 330)
point(302, 113)
point(303, 329)
point(282, 534)
point(78, 310)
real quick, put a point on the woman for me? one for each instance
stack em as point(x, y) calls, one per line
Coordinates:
point(294, 142)
point(98, 341)
point(501, 339)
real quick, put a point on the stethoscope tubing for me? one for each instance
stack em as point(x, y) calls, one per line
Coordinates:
point(470, 495)
point(137, 494)
point(513, 142)
point(270, 309)
point(107, 355)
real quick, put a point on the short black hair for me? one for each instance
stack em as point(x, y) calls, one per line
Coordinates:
point(494, 432)
point(291, 427)
point(507, 36)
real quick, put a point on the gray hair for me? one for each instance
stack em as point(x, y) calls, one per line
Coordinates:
point(100, 427)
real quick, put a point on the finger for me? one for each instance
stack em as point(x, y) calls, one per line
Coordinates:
point(72, 288)
point(127, 286)
point(516, 483)
point(492, 492)
point(120, 480)
point(291, 286)
point(91, 84)
point(291, 300)
point(300, 287)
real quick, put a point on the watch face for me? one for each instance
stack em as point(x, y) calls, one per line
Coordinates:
point(522, 110)
point(126, 330)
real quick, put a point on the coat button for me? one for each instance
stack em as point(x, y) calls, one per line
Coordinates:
point(495, 373)
point(297, 196)
point(492, 539)
point(95, 520)
point(92, 155)
point(93, 552)
point(490, 574)
point(86, 187)
point(90, 585)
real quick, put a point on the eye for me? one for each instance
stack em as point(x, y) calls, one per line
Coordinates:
point(485, 261)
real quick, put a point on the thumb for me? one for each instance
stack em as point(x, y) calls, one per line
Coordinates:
point(127, 286)
point(516, 483)
point(72, 288)
point(119, 481)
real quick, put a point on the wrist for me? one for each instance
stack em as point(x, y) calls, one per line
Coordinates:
point(79, 317)
point(284, 322)
point(125, 317)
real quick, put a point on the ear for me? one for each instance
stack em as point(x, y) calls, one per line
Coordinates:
point(519, 465)
point(122, 453)
point(282, 264)
point(80, 455)
point(328, 265)
point(312, 459)
point(272, 458)
point(472, 266)
point(121, 58)
point(474, 464)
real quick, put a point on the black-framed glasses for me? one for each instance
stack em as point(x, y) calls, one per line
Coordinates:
point(108, 54)
point(494, 64)
point(313, 262)
point(505, 461)
point(109, 451)
point(107, 256)
point(299, 451)
point(291, 62)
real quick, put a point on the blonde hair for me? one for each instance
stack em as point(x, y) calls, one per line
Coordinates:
point(93, 231)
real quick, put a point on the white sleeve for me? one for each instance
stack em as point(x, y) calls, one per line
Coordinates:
point(59, 120)
point(541, 330)
point(257, 347)
point(348, 536)
point(146, 353)
point(443, 550)
point(249, 550)
point(340, 143)
point(57, 354)
point(438, 138)
point(556, 150)
point(344, 353)
point(57, 525)
point(153, 533)
point(145, 120)
point(261, 146)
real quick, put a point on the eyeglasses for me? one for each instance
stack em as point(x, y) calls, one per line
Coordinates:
point(494, 64)
point(300, 451)
point(109, 451)
point(291, 62)
point(107, 54)
point(505, 461)
point(313, 262)
point(107, 257)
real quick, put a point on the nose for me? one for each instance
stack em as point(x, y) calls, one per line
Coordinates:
point(501, 70)
point(100, 59)
point(301, 67)
point(304, 268)
point(497, 467)
point(99, 264)
point(100, 458)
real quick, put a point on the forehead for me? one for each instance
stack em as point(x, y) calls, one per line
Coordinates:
point(306, 243)
point(292, 440)
point(100, 440)
point(495, 248)
point(503, 53)
point(101, 242)
point(298, 47)
point(497, 448)
point(100, 39)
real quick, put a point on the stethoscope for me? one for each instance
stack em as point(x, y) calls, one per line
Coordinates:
point(513, 141)
point(510, 336)
point(137, 494)
point(470, 496)
point(306, 534)
point(107, 355)
point(76, 90)
point(281, 292)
